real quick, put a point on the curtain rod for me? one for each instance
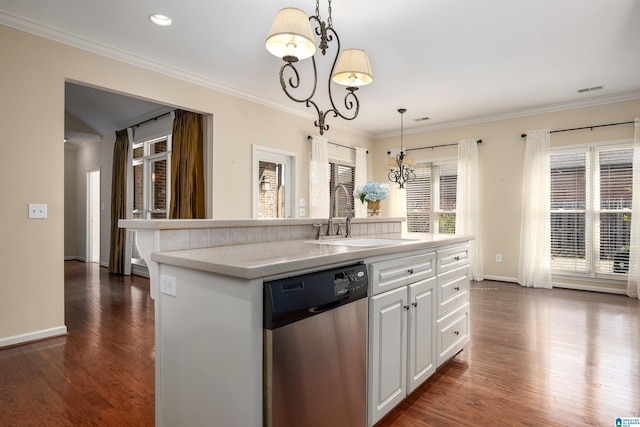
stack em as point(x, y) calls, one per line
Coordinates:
point(524, 135)
point(309, 138)
point(437, 146)
point(151, 119)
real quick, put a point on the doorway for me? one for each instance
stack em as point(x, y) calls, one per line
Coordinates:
point(93, 216)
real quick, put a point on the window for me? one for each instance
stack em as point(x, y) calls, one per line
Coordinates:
point(151, 182)
point(274, 179)
point(431, 198)
point(345, 175)
point(591, 210)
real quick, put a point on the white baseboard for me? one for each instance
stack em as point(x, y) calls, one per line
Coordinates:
point(140, 270)
point(73, 258)
point(592, 288)
point(33, 336)
point(501, 279)
point(596, 287)
point(104, 264)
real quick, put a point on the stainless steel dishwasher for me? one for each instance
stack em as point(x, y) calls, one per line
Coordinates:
point(315, 349)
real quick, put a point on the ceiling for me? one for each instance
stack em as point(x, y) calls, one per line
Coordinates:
point(454, 61)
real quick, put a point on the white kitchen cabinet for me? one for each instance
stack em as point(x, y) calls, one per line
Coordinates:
point(453, 333)
point(392, 273)
point(421, 330)
point(402, 350)
point(387, 352)
point(452, 311)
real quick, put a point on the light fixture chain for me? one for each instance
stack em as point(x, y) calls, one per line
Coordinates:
point(329, 20)
point(318, 10)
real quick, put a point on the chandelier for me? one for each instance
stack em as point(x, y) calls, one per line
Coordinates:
point(401, 166)
point(291, 39)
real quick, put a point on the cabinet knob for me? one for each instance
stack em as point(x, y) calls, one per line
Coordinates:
point(457, 258)
point(456, 332)
point(410, 271)
point(457, 288)
point(406, 307)
point(415, 304)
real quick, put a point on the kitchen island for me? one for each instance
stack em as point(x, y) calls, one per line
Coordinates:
point(209, 314)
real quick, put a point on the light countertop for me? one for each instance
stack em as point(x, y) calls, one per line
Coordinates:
point(258, 260)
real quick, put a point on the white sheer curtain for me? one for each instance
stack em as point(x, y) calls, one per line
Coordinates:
point(467, 211)
point(319, 178)
point(534, 269)
point(397, 203)
point(633, 282)
point(360, 209)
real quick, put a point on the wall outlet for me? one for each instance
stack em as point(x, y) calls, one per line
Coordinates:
point(37, 210)
point(498, 257)
point(168, 285)
point(302, 212)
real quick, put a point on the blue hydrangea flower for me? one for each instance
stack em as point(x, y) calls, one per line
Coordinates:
point(371, 192)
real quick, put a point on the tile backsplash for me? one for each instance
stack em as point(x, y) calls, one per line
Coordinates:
point(211, 233)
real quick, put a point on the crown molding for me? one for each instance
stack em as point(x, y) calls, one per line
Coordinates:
point(551, 108)
point(59, 36)
point(50, 33)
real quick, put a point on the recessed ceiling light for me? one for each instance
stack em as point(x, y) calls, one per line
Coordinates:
point(158, 19)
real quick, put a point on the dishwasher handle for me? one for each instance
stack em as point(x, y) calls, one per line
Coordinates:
point(328, 306)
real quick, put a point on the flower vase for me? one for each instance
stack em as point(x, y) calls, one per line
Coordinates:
point(373, 208)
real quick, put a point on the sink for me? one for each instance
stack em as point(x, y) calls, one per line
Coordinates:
point(365, 241)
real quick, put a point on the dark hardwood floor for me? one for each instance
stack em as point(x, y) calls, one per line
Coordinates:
point(536, 358)
point(101, 373)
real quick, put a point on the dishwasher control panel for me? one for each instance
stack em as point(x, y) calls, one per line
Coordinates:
point(294, 298)
point(351, 280)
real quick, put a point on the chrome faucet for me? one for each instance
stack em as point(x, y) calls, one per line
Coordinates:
point(330, 230)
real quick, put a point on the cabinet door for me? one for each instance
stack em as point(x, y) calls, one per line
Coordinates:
point(387, 352)
point(421, 339)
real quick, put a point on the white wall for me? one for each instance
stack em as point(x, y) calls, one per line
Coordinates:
point(32, 164)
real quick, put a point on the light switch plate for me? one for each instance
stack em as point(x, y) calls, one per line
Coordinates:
point(37, 210)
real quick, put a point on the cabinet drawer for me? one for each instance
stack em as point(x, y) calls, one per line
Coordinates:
point(453, 333)
point(453, 289)
point(452, 258)
point(386, 275)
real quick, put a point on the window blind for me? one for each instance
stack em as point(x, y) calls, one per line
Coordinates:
point(431, 198)
point(345, 175)
point(591, 210)
point(419, 208)
point(569, 173)
point(446, 209)
point(614, 210)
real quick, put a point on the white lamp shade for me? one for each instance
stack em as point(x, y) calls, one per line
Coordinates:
point(291, 35)
point(353, 68)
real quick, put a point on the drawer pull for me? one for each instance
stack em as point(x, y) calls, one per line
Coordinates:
point(456, 332)
point(457, 288)
point(457, 258)
point(415, 304)
point(406, 307)
point(410, 271)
